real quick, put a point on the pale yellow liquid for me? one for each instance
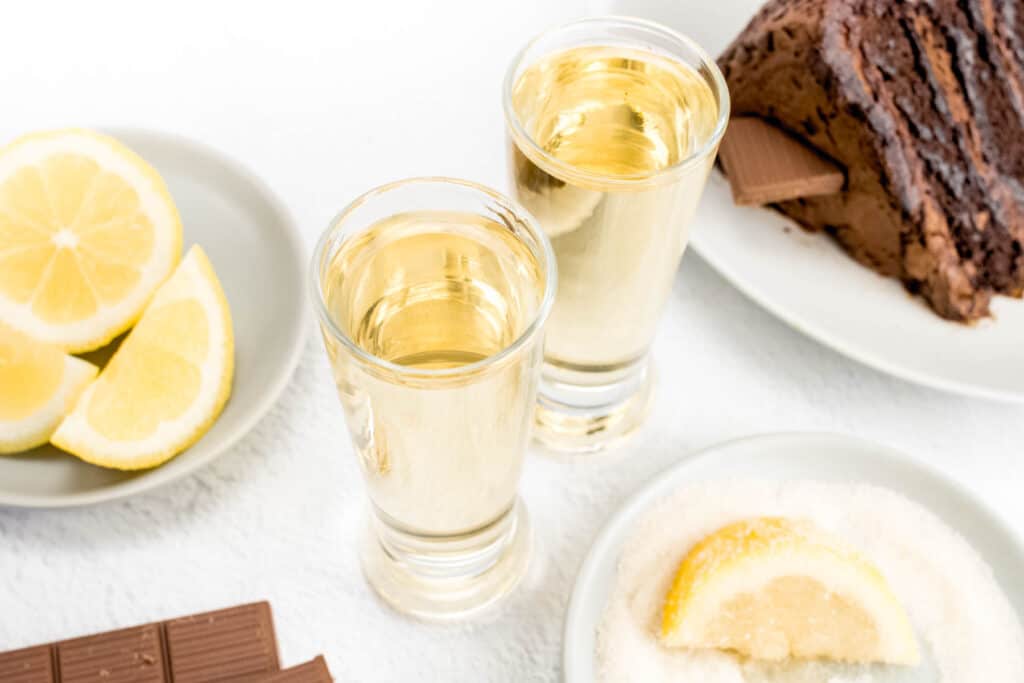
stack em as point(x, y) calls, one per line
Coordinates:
point(614, 118)
point(435, 291)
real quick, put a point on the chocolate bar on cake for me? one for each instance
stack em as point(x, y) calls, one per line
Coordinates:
point(922, 104)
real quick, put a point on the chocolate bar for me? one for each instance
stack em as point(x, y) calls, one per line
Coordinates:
point(314, 671)
point(231, 644)
point(766, 165)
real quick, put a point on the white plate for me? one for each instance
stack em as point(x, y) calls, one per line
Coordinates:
point(259, 258)
point(807, 281)
point(779, 457)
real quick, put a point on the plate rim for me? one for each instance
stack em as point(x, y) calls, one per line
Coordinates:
point(273, 390)
point(661, 484)
point(837, 343)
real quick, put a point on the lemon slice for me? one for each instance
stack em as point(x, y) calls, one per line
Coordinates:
point(167, 382)
point(87, 233)
point(40, 385)
point(773, 588)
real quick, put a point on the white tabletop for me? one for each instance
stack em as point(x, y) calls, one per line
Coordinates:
point(325, 100)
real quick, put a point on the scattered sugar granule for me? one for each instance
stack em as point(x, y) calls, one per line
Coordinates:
point(966, 627)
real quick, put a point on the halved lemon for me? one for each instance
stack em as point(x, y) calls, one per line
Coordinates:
point(167, 382)
point(87, 232)
point(773, 588)
point(40, 385)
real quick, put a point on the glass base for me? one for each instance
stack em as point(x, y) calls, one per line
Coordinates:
point(447, 578)
point(585, 412)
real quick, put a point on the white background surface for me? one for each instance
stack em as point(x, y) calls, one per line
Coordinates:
point(324, 101)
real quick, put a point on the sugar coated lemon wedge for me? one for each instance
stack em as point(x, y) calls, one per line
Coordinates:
point(40, 384)
point(87, 232)
point(773, 588)
point(167, 382)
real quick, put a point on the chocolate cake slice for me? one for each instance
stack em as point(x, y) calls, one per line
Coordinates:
point(923, 104)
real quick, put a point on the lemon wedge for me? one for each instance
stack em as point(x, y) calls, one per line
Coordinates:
point(40, 385)
point(168, 381)
point(87, 232)
point(773, 588)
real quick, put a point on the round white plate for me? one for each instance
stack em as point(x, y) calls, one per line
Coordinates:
point(779, 457)
point(259, 258)
point(806, 279)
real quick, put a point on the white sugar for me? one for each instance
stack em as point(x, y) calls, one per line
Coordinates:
point(966, 627)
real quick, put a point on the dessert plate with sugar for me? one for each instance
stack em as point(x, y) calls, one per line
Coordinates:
point(954, 566)
point(809, 282)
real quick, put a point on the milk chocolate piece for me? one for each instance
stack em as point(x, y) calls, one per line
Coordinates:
point(766, 165)
point(222, 645)
point(314, 671)
point(31, 665)
point(232, 644)
point(130, 655)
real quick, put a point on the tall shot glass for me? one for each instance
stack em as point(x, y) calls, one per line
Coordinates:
point(614, 124)
point(432, 296)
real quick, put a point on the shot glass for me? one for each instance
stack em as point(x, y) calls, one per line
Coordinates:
point(613, 124)
point(432, 296)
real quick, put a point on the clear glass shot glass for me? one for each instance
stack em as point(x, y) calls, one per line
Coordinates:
point(432, 296)
point(614, 124)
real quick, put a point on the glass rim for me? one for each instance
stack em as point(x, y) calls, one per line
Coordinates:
point(532, 330)
point(662, 175)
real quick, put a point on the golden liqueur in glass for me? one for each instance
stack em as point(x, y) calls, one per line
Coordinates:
point(614, 126)
point(433, 295)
